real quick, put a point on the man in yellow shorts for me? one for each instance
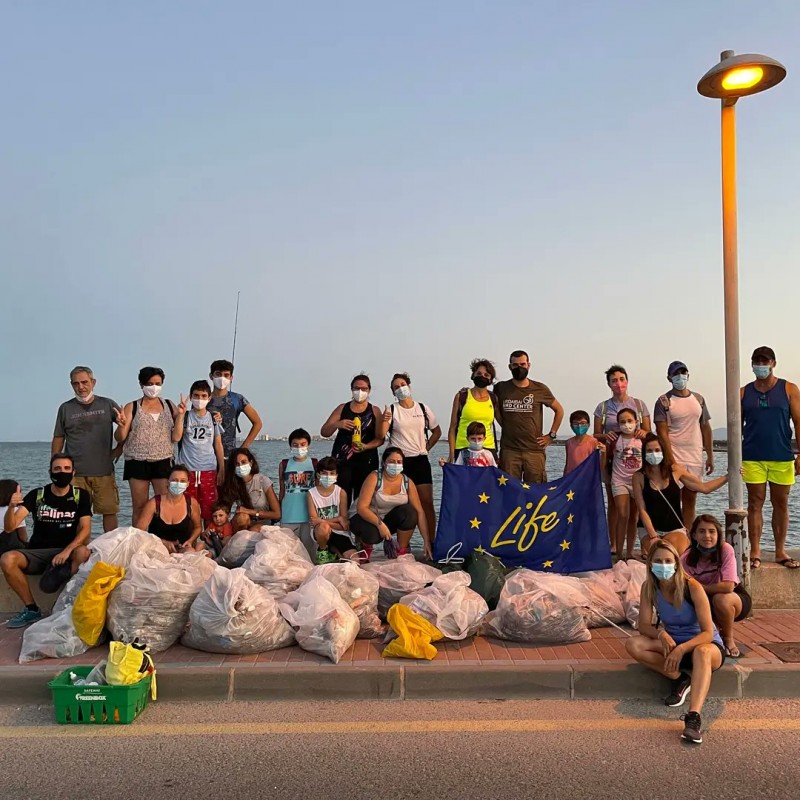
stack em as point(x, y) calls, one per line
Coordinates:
point(769, 404)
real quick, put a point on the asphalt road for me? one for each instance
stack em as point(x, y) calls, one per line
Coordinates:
point(385, 750)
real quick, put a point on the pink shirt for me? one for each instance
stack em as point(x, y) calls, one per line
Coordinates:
point(708, 571)
point(579, 451)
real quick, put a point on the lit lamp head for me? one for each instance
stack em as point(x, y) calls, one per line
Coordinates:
point(739, 76)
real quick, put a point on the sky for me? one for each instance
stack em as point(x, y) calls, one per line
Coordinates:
point(391, 187)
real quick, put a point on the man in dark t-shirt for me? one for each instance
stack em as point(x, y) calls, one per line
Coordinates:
point(62, 519)
point(520, 407)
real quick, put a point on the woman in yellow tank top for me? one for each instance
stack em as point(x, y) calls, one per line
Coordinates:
point(474, 405)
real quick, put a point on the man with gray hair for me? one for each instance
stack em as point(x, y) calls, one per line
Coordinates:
point(85, 430)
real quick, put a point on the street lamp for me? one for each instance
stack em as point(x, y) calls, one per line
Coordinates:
point(732, 78)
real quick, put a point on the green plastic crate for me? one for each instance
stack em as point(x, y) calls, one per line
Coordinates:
point(97, 705)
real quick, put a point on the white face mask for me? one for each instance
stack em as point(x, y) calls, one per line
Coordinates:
point(85, 400)
point(299, 452)
point(359, 395)
point(151, 391)
point(243, 470)
point(221, 383)
point(401, 392)
point(199, 404)
point(627, 427)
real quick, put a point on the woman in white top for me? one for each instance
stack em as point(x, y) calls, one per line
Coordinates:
point(250, 491)
point(413, 428)
point(13, 539)
point(388, 504)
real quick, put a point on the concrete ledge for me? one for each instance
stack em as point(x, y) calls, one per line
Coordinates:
point(770, 681)
point(315, 683)
point(193, 684)
point(617, 681)
point(774, 586)
point(25, 686)
point(501, 682)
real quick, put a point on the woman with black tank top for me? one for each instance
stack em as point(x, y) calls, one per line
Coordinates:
point(173, 517)
point(360, 429)
point(657, 491)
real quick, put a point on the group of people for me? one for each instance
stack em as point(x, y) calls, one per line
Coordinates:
point(342, 505)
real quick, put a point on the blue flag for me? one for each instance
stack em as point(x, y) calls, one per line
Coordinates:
point(558, 526)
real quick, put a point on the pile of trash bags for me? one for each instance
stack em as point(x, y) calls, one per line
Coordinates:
point(279, 563)
point(400, 577)
point(231, 614)
point(359, 589)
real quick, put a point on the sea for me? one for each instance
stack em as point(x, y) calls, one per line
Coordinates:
point(27, 463)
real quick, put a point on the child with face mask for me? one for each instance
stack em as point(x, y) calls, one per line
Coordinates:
point(582, 444)
point(296, 479)
point(327, 511)
point(475, 454)
point(627, 462)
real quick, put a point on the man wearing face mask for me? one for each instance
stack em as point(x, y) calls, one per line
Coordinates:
point(62, 521)
point(85, 429)
point(229, 405)
point(521, 401)
point(682, 422)
point(769, 405)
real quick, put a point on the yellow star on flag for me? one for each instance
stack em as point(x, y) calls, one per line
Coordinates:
point(502, 480)
point(483, 497)
point(565, 545)
point(569, 519)
point(547, 564)
point(475, 522)
point(525, 486)
point(570, 495)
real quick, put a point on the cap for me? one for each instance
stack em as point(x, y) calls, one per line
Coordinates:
point(763, 352)
point(676, 366)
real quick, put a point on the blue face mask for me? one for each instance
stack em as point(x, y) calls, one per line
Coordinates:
point(706, 550)
point(679, 381)
point(393, 470)
point(177, 487)
point(580, 430)
point(663, 571)
point(476, 447)
point(761, 372)
point(327, 480)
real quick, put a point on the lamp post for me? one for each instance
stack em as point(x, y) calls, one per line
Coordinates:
point(732, 78)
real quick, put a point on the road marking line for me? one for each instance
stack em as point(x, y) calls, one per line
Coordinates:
point(382, 727)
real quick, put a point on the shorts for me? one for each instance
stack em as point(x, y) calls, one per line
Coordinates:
point(147, 470)
point(102, 490)
point(302, 530)
point(621, 488)
point(10, 541)
point(400, 518)
point(203, 487)
point(686, 662)
point(777, 472)
point(527, 465)
point(40, 560)
point(418, 469)
point(694, 469)
point(354, 471)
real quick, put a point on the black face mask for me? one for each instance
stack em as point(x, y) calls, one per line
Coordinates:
point(481, 382)
point(519, 373)
point(61, 479)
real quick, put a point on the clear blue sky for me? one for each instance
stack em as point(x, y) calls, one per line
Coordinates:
point(392, 186)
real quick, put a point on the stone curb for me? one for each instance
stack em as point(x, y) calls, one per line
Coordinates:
point(418, 681)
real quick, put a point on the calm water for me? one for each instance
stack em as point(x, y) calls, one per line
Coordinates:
point(26, 462)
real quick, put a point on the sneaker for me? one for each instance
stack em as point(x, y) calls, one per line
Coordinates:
point(326, 557)
point(403, 551)
point(692, 731)
point(680, 691)
point(25, 617)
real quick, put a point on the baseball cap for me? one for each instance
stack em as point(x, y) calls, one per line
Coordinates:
point(763, 352)
point(676, 366)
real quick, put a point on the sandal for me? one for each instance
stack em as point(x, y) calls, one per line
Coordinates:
point(755, 563)
point(733, 652)
point(789, 563)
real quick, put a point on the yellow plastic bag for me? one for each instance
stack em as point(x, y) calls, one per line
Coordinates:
point(128, 664)
point(414, 633)
point(89, 610)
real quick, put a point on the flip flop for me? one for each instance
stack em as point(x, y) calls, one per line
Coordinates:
point(789, 563)
point(755, 563)
point(729, 652)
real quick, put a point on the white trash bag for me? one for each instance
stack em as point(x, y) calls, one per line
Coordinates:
point(450, 605)
point(605, 605)
point(280, 562)
point(323, 622)
point(241, 546)
point(52, 637)
point(359, 589)
point(399, 577)
point(638, 575)
point(234, 615)
point(152, 601)
point(528, 613)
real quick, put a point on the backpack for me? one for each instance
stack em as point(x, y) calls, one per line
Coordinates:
point(462, 401)
point(427, 428)
point(76, 496)
point(665, 402)
point(603, 412)
point(170, 405)
point(380, 481)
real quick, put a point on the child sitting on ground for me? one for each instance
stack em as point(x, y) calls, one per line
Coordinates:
point(327, 511)
point(582, 444)
point(219, 530)
point(475, 455)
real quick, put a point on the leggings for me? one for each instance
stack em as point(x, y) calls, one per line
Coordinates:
point(400, 518)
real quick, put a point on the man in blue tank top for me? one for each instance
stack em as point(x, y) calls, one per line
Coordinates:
point(769, 405)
